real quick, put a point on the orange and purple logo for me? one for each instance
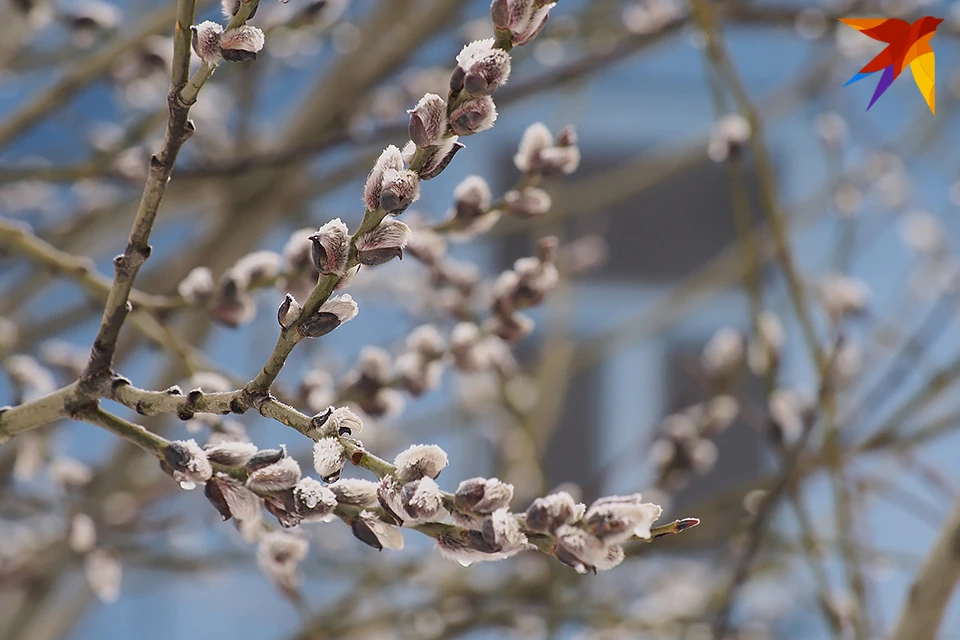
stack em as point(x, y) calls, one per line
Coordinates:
point(907, 44)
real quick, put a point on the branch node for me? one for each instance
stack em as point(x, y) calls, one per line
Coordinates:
point(236, 406)
point(75, 408)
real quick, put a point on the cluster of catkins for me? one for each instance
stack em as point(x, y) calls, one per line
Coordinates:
point(587, 539)
point(684, 446)
point(435, 127)
point(539, 155)
point(375, 381)
point(239, 479)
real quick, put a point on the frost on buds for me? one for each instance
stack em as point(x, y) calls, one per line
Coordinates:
point(481, 496)
point(230, 453)
point(423, 500)
point(420, 460)
point(502, 529)
point(486, 496)
point(373, 532)
point(499, 537)
point(270, 471)
point(481, 68)
point(473, 115)
point(522, 20)
point(538, 154)
point(187, 463)
point(585, 552)
point(356, 492)
point(428, 121)
point(329, 457)
point(336, 422)
point(547, 514)
point(232, 499)
point(331, 247)
point(329, 316)
point(313, 501)
point(383, 244)
point(617, 518)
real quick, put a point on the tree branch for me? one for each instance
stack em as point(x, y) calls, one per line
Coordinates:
point(32, 414)
point(182, 95)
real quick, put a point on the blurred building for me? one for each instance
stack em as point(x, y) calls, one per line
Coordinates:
point(655, 237)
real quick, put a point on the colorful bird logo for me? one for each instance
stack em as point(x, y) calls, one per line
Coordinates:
point(906, 44)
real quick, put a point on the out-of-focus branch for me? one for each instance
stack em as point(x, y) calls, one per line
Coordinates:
point(707, 19)
point(933, 585)
point(85, 72)
point(758, 527)
point(82, 269)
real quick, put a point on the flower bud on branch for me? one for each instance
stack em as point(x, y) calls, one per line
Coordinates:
point(212, 44)
point(428, 121)
point(384, 243)
point(519, 20)
point(331, 247)
point(473, 115)
point(329, 316)
point(484, 67)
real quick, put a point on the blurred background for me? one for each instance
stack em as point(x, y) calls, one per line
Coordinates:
point(674, 358)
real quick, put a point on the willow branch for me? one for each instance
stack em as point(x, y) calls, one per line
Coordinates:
point(32, 414)
point(183, 93)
